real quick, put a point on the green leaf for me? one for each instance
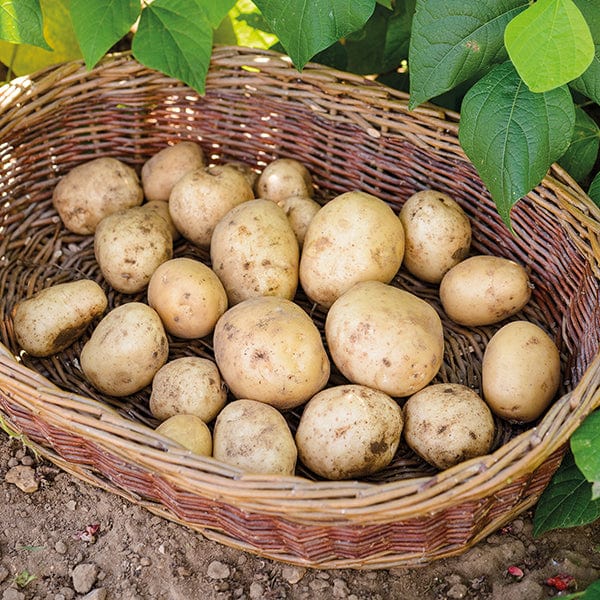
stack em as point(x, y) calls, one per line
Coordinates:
point(585, 445)
point(216, 10)
point(305, 28)
point(566, 502)
point(513, 135)
point(550, 44)
point(592, 592)
point(386, 3)
point(588, 84)
point(454, 40)
point(99, 24)
point(580, 157)
point(250, 27)
point(175, 37)
point(21, 22)
point(594, 191)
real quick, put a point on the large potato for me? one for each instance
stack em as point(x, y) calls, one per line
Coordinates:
point(437, 233)
point(254, 252)
point(56, 316)
point(520, 372)
point(354, 237)
point(254, 437)
point(188, 296)
point(448, 423)
point(125, 350)
point(189, 431)
point(93, 190)
point(284, 177)
point(385, 338)
point(269, 349)
point(482, 290)
point(349, 431)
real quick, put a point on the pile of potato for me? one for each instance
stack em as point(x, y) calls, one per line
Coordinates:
point(268, 237)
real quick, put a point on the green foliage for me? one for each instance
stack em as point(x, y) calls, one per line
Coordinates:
point(594, 191)
point(581, 155)
point(585, 444)
point(21, 22)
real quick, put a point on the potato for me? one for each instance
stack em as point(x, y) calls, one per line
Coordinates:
point(254, 252)
point(385, 338)
point(354, 237)
point(284, 177)
point(162, 208)
point(246, 170)
point(437, 234)
point(199, 200)
point(129, 245)
point(165, 168)
point(448, 423)
point(269, 349)
point(520, 372)
point(55, 317)
point(93, 190)
point(189, 431)
point(482, 290)
point(188, 296)
point(188, 385)
point(254, 437)
point(349, 431)
point(300, 211)
point(125, 350)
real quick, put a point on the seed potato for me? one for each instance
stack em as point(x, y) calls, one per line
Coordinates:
point(189, 431)
point(284, 177)
point(349, 431)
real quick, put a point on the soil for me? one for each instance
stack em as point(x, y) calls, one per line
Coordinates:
point(62, 539)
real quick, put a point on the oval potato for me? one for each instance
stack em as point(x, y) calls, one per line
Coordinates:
point(284, 177)
point(189, 431)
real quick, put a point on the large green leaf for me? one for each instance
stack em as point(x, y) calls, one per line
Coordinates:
point(550, 44)
point(175, 37)
point(215, 10)
point(99, 24)
point(580, 157)
point(305, 28)
point(585, 445)
point(594, 191)
point(512, 135)
point(21, 22)
point(567, 501)
point(454, 40)
point(588, 84)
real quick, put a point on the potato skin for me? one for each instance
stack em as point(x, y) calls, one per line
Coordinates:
point(348, 431)
point(300, 211)
point(189, 431)
point(385, 338)
point(437, 233)
point(125, 350)
point(448, 423)
point(521, 371)
point(284, 177)
point(56, 316)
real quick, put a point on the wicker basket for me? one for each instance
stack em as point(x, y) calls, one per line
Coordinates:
point(352, 134)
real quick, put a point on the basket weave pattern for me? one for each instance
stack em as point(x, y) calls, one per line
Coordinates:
point(352, 134)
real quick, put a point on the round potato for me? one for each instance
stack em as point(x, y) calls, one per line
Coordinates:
point(189, 431)
point(162, 208)
point(188, 385)
point(354, 237)
point(348, 431)
point(55, 317)
point(482, 290)
point(269, 349)
point(437, 234)
point(300, 211)
point(385, 338)
point(93, 190)
point(165, 168)
point(129, 245)
point(254, 437)
point(125, 350)
point(284, 177)
point(246, 170)
point(521, 371)
point(188, 296)
point(448, 423)
point(254, 252)
point(200, 198)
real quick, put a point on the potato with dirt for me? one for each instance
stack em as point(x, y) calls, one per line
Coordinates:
point(300, 210)
point(284, 177)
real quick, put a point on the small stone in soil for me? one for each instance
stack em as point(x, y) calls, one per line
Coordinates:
point(24, 478)
point(84, 577)
point(218, 570)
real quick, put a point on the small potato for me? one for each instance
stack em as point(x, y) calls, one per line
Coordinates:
point(93, 190)
point(282, 178)
point(385, 338)
point(129, 245)
point(188, 385)
point(125, 350)
point(520, 372)
point(349, 431)
point(162, 208)
point(448, 423)
point(55, 317)
point(189, 431)
point(482, 290)
point(254, 437)
point(437, 233)
point(254, 252)
point(163, 170)
point(200, 198)
point(188, 296)
point(354, 237)
point(300, 211)
point(269, 349)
